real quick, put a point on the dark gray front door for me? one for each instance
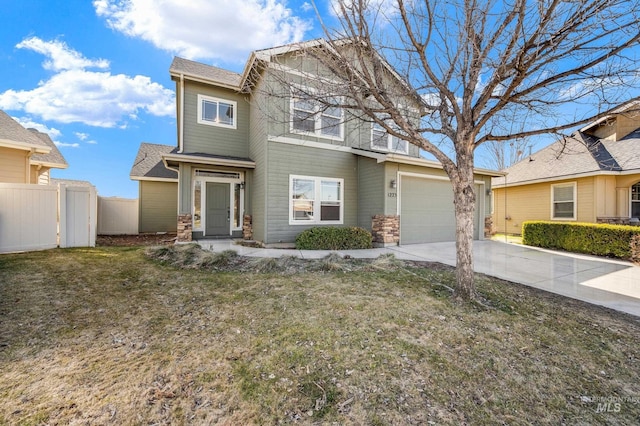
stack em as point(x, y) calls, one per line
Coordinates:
point(218, 209)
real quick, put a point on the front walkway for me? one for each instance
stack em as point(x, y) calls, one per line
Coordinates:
point(611, 283)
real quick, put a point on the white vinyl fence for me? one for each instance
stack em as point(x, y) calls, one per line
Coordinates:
point(117, 216)
point(39, 217)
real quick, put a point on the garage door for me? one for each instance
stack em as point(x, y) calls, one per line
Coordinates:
point(426, 211)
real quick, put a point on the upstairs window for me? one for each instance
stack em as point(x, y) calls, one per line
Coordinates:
point(383, 141)
point(563, 201)
point(310, 115)
point(216, 112)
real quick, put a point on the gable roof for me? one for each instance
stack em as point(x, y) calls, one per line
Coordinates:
point(576, 156)
point(13, 135)
point(148, 164)
point(52, 159)
point(206, 73)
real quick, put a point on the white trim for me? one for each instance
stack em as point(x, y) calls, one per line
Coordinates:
point(574, 185)
point(47, 164)
point(212, 161)
point(480, 201)
point(152, 179)
point(317, 180)
point(389, 139)
point(218, 101)
point(631, 198)
point(316, 116)
point(25, 146)
point(310, 144)
point(203, 199)
point(566, 177)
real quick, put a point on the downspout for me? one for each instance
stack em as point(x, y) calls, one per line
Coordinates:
point(177, 170)
point(181, 118)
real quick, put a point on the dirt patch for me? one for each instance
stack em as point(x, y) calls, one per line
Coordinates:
point(135, 240)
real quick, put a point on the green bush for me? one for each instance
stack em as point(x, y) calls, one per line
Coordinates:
point(333, 238)
point(589, 238)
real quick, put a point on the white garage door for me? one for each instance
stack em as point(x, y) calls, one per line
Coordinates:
point(426, 211)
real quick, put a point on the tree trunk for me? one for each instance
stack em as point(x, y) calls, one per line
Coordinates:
point(464, 202)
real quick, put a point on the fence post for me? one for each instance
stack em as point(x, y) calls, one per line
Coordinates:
point(62, 215)
point(93, 216)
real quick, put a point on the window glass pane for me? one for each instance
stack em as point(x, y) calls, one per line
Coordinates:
point(330, 126)
point(302, 210)
point(197, 199)
point(333, 111)
point(563, 210)
point(237, 221)
point(379, 137)
point(226, 113)
point(303, 189)
point(398, 145)
point(562, 193)
point(330, 191)
point(635, 209)
point(329, 211)
point(209, 111)
point(303, 121)
point(304, 104)
point(635, 192)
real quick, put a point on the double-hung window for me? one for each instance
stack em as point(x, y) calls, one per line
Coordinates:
point(310, 115)
point(216, 112)
point(383, 141)
point(563, 201)
point(635, 200)
point(315, 200)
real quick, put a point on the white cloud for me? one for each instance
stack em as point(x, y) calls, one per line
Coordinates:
point(205, 29)
point(66, 145)
point(60, 56)
point(92, 142)
point(28, 123)
point(75, 94)
point(81, 136)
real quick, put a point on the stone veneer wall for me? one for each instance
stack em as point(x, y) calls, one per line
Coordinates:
point(488, 226)
point(385, 229)
point(185, 226)
point(247, 227)
point(613, 220)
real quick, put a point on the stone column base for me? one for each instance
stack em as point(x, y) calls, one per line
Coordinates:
point(385, 230)
point(185, 227)
point(247, 227)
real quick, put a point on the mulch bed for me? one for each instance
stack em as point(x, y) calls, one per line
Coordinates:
point(135, 240)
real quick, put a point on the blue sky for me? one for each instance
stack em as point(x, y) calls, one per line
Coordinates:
point(94, 75)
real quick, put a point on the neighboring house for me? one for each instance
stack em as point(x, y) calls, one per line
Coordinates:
point(592, 176)
point(157, 190)
point(26, 156)
point(254, 164)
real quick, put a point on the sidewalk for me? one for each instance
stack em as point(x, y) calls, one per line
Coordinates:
point(611, 283)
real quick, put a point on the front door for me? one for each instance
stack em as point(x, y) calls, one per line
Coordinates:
point(218, 216)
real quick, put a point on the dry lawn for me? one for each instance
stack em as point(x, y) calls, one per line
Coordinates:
point(110, 336)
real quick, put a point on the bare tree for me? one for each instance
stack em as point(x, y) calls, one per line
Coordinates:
point(502, 155)
point(448, 76)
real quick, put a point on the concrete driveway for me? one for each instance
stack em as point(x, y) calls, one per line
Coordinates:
point(614, 284)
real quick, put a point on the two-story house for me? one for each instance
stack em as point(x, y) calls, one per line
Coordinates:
point(254, 158)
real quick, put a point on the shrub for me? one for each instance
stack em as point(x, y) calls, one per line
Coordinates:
point(589, 238)
point(333, 238)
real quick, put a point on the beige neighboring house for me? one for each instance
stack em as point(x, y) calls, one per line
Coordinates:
point(26, 156)
point(157, 189)
point(592, 176)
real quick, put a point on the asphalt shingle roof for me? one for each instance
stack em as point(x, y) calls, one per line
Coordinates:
point(12, 130)
point(578, 154)
point(54, 157)
point(148, 162)
point(206, 72)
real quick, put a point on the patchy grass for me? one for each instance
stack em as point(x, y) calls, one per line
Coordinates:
point(109, 336)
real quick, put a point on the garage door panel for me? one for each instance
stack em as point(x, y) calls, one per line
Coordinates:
point(426, 211)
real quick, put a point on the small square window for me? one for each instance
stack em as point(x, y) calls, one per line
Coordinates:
point(216, 112)
point(315, 200)
point(563, 201)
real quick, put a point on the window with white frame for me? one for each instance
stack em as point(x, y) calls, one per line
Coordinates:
point(563, 201)
point(315, 200)
point(635, 200)
point(216, 112)
point(383, 141)
point(310, 115)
